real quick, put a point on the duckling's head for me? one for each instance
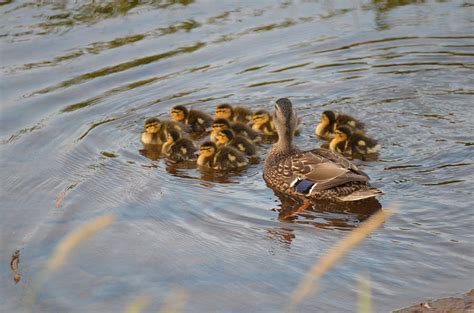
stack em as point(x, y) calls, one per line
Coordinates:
point(152, 125)
point(342, 133)
point(260, 117)
point(328, 117)
point(220, 124)
point(224, 137)
point(179, 113)
point(207, 149)
point(172, 136)
point(223, 111)
point(284, 118)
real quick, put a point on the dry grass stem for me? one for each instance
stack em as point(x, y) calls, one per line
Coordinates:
point(59, 199)
point(307, 285)
point(73, 239)
point(365, 294)
point(138, 305)
point(14, 265)
point(175, 301)
point(63, 250)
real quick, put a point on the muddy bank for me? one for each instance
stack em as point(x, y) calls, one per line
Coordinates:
point(463, 304)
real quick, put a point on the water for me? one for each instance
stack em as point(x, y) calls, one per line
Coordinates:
point(79, 79)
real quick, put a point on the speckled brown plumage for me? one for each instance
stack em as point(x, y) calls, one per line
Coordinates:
point(333, 177)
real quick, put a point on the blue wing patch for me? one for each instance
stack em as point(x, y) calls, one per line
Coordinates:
point(304, 186)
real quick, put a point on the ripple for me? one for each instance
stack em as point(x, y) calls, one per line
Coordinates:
point(120, 67)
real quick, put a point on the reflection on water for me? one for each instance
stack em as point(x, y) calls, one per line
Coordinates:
point(80, 77)
point(327, 215)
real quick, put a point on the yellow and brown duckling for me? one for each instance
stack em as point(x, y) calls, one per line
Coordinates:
point(151, 135)
point(352, 142)
point(220, 158)
point(238, 128)
point(234, 114)
point(330, 120)
point(262, 122)
point(227, 137)
point(178, 148)
point(156, 130)
point(197, 120)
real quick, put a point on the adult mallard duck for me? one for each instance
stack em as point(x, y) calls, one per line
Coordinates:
point(318, 174)
point(227, 137)
point(330, 120)
point(349, 142)
point(178, 148)
point(197, 120)
point(156, 130)
point(220, 158)
point(235, 114)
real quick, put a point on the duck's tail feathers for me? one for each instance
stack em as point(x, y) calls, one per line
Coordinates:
point(362, 194)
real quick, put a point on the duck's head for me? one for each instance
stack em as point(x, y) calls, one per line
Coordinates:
point(152, 125)
point(284, 118)
point(224, 137)
point(261, 117)
point(223, 111)
point(220, 124)
point(328, 117)
point(172, 136)
point(342, 133)
point(207, 149)
point(179, 113)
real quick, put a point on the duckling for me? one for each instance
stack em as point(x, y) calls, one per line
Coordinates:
point(227, 137)
point(177, 148)
point(197, 120)
point(238, 128)
point(313, 175)
point(151, 135)
point(262, 122)
point(350, 142)
point(220, 158)
point(330, 120)
point(156, 130)
point(235, 114)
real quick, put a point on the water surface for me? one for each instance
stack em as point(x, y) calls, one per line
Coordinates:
point(79, 79)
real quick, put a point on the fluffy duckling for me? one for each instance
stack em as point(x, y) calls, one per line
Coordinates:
point(177, 148)
point(197, 120)
point(156, 130)
point(330, 120)
point(262, 122)
point(151, 135)
point(220, 158)
point(235, 114)
point(238, 128)
point(350, 142)
point(227, 137)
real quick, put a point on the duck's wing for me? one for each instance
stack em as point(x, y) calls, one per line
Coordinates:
point(322, 169)
point(339, 160)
